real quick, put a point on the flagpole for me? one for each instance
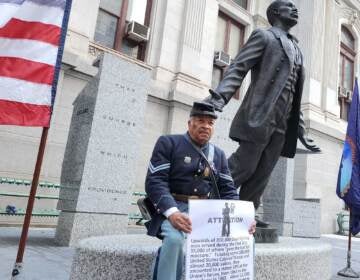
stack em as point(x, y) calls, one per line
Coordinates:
point(25, 229)
point(348, 271)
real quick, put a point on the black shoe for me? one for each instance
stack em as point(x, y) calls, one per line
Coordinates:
point(261, 224)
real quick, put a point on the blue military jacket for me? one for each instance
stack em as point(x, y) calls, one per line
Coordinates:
point(176, 167)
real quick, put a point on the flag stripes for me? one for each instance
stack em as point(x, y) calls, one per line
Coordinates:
point(23, 91)
point(32, 34)
point(32, 12)
point(6, 12)
point(46, 33)
point(16, 113)
point(52, 3)
point(28, 49)
point(27, 70)
point(17, 2)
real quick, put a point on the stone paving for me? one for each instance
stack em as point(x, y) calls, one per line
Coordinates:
point(339, 253)
point(43, 260)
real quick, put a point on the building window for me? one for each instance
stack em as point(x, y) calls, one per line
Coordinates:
point(106, 28)
point(346, 71)
point(112, 19)
point(242, 3)
point(229, 39)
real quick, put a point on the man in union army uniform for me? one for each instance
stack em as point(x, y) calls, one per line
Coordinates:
point(177, 172)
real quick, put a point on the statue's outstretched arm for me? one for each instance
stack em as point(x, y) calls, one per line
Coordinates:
point(248, 56)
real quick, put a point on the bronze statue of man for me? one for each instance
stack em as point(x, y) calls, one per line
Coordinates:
point(269, 120)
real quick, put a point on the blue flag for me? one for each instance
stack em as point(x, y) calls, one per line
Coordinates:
point(348, 184)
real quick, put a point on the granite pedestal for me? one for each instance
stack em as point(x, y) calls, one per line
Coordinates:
point(129, 257)
point(100, 162)
point(298, 217)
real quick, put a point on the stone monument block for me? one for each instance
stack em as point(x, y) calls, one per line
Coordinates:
point(292, 217)
point(99, 167)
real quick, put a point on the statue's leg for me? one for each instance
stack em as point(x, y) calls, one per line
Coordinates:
point(254, 187)
point(244, 161)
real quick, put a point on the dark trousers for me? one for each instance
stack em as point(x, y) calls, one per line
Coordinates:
point(251, 166)
point(226, 226)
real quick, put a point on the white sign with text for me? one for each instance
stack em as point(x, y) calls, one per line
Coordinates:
point(220, 246)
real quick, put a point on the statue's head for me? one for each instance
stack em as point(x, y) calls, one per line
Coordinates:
point(282, 11)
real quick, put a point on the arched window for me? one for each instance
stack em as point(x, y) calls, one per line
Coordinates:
point(346, 70)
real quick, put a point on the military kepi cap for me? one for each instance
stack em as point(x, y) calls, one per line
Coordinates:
point(203, 109)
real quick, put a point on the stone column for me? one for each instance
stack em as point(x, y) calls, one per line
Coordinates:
point(310, 31)
point(98, 172)
point(297, 217)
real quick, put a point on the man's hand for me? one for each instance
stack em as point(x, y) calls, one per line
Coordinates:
point(252, 228)
point(180, 221)
point(216, 100)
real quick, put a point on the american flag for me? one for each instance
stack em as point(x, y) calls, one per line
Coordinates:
point(32, 34)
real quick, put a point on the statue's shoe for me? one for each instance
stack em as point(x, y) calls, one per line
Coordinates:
point(261, 224)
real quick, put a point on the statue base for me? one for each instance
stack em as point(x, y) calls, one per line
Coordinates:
point(266, 235)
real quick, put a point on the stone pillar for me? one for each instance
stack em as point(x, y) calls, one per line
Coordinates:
point(99, 167)
point(310, 31)
point(194, 51)
point(297, 217)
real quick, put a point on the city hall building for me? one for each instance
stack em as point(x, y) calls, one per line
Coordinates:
point(187, 45)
